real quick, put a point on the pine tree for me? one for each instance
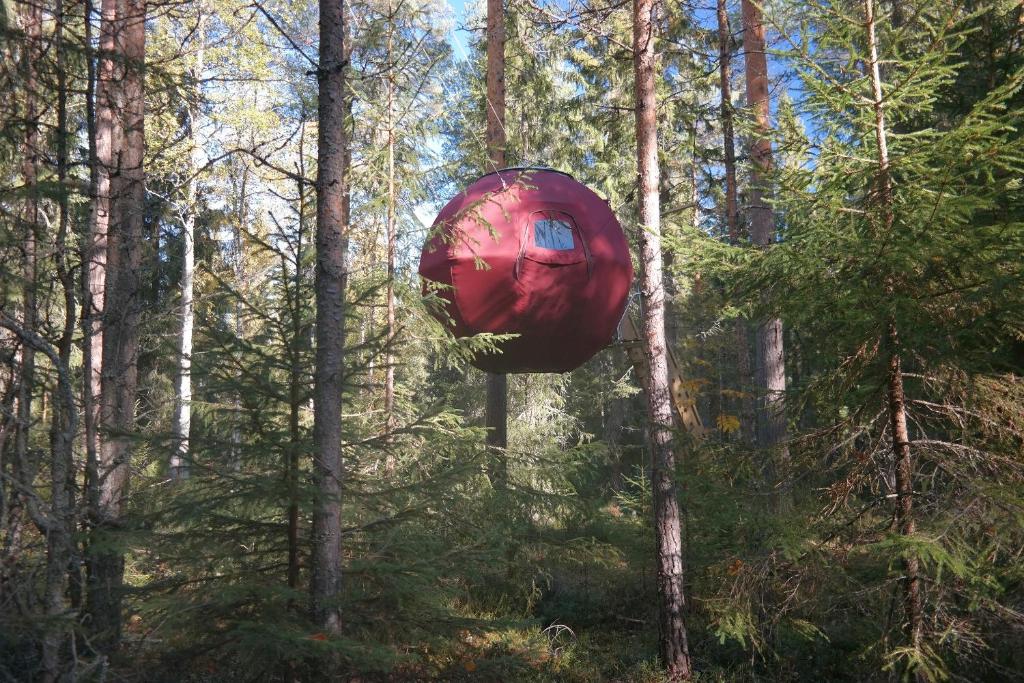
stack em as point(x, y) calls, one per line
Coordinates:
point(331, 240)
point(667, 516)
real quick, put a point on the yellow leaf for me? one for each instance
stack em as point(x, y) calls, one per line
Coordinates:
point(727, 423)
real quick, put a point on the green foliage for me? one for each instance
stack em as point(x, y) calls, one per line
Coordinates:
point(793, 573)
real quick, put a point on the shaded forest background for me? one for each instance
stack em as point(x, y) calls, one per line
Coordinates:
point(843, 264)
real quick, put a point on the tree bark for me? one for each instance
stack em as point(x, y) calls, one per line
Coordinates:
point(392, 237)
point(770, 358)
point(746, 414)
point(497, 385)
point(914, 624)
point(667, 516)
point(32, 26)
point(180, 459)
point(118, 384)
point(105, 138)
point(331, 237)
point(65, 414)
point(728, 137)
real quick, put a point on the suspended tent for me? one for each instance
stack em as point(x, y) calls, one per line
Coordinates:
point(533, 252)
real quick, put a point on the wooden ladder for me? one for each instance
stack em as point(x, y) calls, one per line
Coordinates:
point(683, 400)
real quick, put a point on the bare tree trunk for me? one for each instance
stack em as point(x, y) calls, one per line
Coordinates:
point(65, 416)
point(238, 270)
point(747, 418)
point(389, 361)
point(914, 624)
point(297, 375)
point(331, 236)
point(56, 523)
point(614, 419)
point(121, 331)
point(728, 137)
point(32, 27)
point(497, 385)
point(771, 364)
point(746, 415)
point(179, 464)
point(104, 141)
point(667, 517)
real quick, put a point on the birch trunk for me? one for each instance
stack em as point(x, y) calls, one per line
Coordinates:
point(180, 459)
point(667, 515)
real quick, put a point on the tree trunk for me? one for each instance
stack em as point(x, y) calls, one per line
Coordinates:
point(32, 26)
point(728, 138)
point(914, 624)
point(497, 385)
point(297, 376)
point(105, 138)
point(745, 413)
point(331, 236)
point(614, 419)
point(389, 360)
point(179, 464)
point(667, 517)
point(121, 332)
point(770, 363)
point(65, 416)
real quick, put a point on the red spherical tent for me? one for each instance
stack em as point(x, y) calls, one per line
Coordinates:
point(532, 252)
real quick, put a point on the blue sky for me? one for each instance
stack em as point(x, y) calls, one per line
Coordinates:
point(458, 37)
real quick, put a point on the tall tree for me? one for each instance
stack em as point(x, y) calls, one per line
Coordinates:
point(497, 384)
point(392, 235)
point(64, 422)
point(331, 239)
point(121, 318)
point(770, 360)
point(896, 395)
point(179, 464)
point(667, 516)
point(31, 152)
point(105, 133)
point(726, 113)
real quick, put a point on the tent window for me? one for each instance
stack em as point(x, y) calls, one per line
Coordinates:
point(551, 233)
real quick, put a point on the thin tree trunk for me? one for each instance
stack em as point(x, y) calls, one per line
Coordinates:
point(297, 375)
point(770, 365)
point(389, 363)
point(64, 420)
point(238, 270)
point(914, 624)
point(331, 229)
point(614, 419)
point(728, 137)
point(65, 416)
point(667, 516)
point(497, 384)
point(32, 26)
point(104, 143)
point(119, 380)
point(180, 459)
point(56, 523)
point(745, 414)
